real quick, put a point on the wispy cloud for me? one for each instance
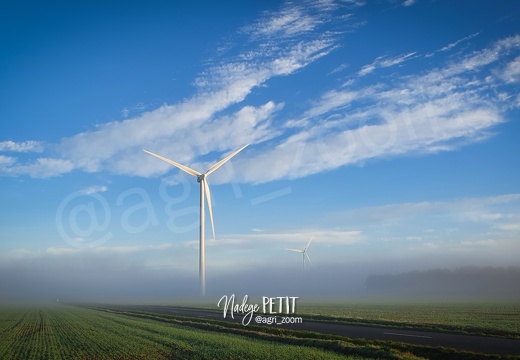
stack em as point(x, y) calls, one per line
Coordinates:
point(24, 146)
point(94, 189)
point(321, 236)
point(39, 168)
point(14, 255)
point(263, 239)
point(511, 73)
point(108, 250)
point(289, 22)
point(454, 44)
point(487, 221)
point(384, 62)
point(509, 226)
point(279, 49)
point(6, 160)
point(439, 109)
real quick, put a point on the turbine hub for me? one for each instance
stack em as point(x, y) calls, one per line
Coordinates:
point(201, 177)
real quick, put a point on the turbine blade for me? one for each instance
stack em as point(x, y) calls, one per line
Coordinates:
point(308, 258)
point(208, 199)
point(300, 251)
point(180, 166)
point(312, 237)
point(223, 161)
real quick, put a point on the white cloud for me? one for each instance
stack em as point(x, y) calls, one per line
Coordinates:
point(291, 21)
point(6, 160)
point(367, 69)
point(210, 243)
point(429, 127)
point(41, 168)
point(296, 19)
point(426, 113)
point(383, 62)
point(333, 100)
point(456, 226)
point(431, 246)
point(24, 146)
point(264, 239)
point(511, 73)
point(195, 126)
point(396, 60)
point(476, 61)
point(472, 209)
point(453, 44)
point(321, 236)
point(509, 226)
point(408, 2)
point(489, 242)
point(440, 110)
point(21, 253)
point(94, 189)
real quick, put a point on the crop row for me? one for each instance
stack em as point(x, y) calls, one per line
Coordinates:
point(77, 333)
point(477, 318)
point(362, 348)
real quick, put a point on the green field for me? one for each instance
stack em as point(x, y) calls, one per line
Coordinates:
point(484, 318)
point(77, 333)
point(501, 319)
point(65, 332)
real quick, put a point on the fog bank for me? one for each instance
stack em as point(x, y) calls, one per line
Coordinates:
point(465, 282)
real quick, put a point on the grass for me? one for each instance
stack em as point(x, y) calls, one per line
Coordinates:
point(78, 333)
point(484, 318)
point(111, 332)
point(372, 349)
point(487, 318)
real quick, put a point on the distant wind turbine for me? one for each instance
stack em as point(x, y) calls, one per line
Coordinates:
point(304, 252)
point(204, 190)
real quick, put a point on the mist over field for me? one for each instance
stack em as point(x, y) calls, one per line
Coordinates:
point(466, 282)
point(108, 278)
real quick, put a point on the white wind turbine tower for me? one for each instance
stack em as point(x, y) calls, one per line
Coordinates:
point(304, 252)
point(204, 190)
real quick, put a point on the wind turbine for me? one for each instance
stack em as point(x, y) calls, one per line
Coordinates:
point(204, 191)
point(304, 252)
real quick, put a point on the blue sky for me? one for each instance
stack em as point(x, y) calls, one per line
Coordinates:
point(389, 129)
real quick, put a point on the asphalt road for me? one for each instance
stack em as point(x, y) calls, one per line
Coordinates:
point(480, 344)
